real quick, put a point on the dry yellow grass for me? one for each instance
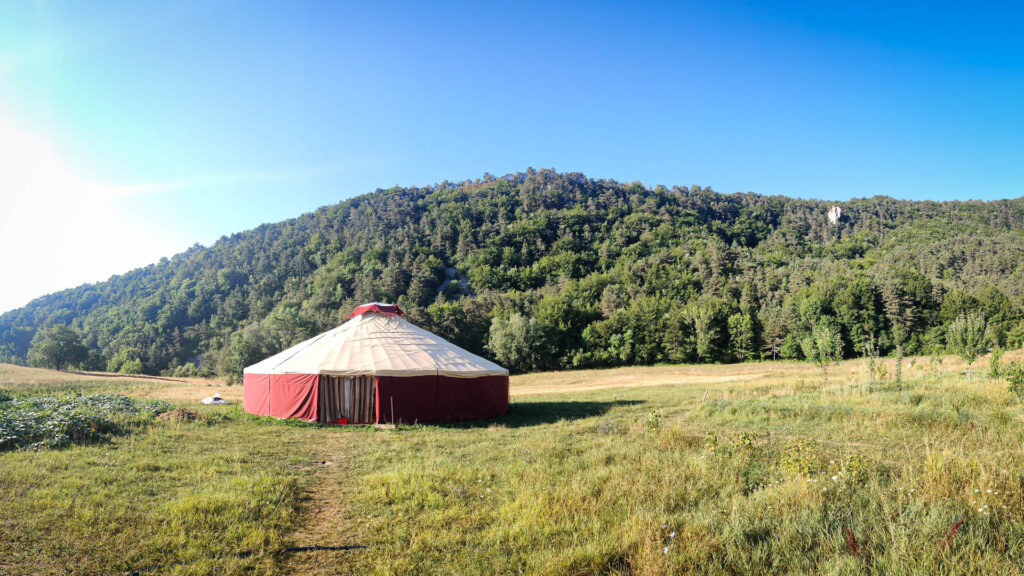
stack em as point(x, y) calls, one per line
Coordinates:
point(11, 374)
point(177, 390)
point(781, 376)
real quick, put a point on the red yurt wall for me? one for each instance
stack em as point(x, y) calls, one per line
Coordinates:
point(256, 394)
point(435, 399)
point(281, 395)
point(423, 399)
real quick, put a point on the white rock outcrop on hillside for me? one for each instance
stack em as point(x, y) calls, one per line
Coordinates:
point(835, 214)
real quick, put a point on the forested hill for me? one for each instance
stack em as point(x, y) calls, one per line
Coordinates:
point(557, 270)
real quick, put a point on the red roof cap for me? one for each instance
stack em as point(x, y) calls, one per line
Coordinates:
point(389, 309)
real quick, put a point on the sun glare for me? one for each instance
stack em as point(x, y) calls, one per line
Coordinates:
point(85, 234)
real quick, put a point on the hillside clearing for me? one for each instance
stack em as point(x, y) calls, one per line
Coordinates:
point(592, 479)
point(781, 376)
point(22, 379)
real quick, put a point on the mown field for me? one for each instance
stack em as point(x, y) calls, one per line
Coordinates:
point(756, 468)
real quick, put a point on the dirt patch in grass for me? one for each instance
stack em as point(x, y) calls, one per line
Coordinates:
point(180, 415)
point(327, 514)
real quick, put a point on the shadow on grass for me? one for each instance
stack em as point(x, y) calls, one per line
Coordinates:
point(520, 415)
point(119, 376)
point(523, 414)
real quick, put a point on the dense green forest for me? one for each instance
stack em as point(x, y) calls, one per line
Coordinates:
point(542, 270)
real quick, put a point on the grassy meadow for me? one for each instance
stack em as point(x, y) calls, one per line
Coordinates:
point(758, 468)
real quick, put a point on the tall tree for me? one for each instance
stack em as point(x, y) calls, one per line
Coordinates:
point(58, 347)
point(741, 336)
point(517, 342)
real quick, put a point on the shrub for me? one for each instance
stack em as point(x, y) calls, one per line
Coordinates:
point(823, 347)
point(1014, 375)
point(883, 371)
point(967, 338)
point(870, 350)
point(133, 366)
point(995, 367)
point(189, 370)
point(653, 422)
point(800, 458)
point(517, 342)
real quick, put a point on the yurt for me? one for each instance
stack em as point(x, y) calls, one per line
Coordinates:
point(376, 368)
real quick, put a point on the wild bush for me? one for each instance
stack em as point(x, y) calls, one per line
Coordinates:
point(995, 364)
point(1013, 373)
point(824, 347)
point(966, 337)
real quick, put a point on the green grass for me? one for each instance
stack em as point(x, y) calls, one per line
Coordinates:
point(746, 485)
point(584, 483)
point(172, 492)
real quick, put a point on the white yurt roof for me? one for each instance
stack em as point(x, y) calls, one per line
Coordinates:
point(375, 344)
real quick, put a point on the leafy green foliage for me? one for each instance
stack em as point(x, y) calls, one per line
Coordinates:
point(57, 347)
point(124, 356)
point(741, 336)
point(51, 422)
point(967, 337)
point(1014, 375)
point(133, 366)
point(823, 347)
point(517, 341)
point(995, 363)
point(613, 274)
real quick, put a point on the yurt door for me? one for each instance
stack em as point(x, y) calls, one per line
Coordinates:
point(350, 397)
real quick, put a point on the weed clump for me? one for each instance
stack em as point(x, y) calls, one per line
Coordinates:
point(653, 422)
point(800, 458)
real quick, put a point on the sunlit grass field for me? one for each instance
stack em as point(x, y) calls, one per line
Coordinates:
point(756, 468)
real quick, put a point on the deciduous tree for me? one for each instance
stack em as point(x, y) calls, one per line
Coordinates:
point(967, 338)
point(823, 347)
point(58, 347)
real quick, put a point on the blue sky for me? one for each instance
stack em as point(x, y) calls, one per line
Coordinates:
point(138, 129)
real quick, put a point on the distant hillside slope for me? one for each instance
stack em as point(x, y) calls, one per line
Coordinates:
point(564, 271)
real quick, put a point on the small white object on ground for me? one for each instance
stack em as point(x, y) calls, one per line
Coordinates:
point(215, 399)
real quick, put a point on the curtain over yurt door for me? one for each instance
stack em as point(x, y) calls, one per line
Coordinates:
point(349, 397)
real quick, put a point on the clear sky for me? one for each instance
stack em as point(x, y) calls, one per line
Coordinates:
point(130, 131)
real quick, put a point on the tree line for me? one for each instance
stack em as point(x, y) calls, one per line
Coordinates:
point(561, 271)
